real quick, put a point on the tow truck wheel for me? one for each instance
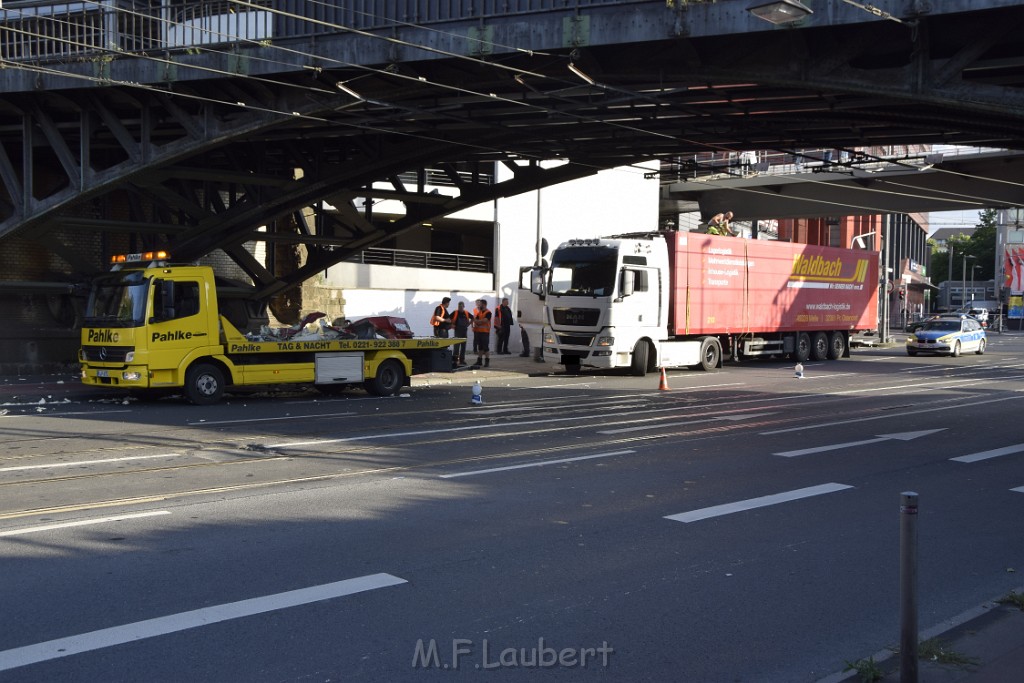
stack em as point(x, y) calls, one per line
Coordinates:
point(803, 347)
point(389, 380)
point(819, 346)
point(836, 345)
point(638, 366)
point(204, 384)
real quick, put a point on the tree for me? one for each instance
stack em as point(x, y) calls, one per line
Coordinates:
point(940, 258)
point(981, 245)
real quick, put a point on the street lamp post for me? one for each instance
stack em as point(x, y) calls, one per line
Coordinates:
point(963, 280)
point(949, 280)
point(973, 268)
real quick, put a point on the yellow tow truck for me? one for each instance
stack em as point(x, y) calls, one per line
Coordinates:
point(151, 326)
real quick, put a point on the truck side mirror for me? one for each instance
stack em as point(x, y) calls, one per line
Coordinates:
point(628, 283)
point(537, 277)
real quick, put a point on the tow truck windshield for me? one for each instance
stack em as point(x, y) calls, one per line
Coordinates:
point(118, 301)
point(583, 271)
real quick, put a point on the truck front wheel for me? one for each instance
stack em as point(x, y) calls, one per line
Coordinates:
point(389, 380)
point(204, 384)
point(638, 365)
point(710, 354)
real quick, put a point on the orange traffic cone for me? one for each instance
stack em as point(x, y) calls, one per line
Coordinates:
point(663, 386)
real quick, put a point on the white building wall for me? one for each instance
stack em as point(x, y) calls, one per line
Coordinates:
point(613, 201)
point(610, 202)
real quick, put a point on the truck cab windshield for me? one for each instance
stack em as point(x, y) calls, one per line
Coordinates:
point(583, 271)
point(118, 301)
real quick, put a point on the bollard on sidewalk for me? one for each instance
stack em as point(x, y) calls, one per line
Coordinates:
point(908, 587)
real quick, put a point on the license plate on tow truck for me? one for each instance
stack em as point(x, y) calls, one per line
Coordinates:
point(103, 373)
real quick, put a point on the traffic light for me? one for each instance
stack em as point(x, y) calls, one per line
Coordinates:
point(903, 294)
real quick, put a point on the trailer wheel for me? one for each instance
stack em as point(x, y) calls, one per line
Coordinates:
point(638, 364)
point(389, 380)
point(819, 346)
point(836, 345)
point(204, 384)
point(710, 354)
point(803, 347)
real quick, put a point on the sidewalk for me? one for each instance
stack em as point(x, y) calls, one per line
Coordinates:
point(982, 645)
point(501, 367)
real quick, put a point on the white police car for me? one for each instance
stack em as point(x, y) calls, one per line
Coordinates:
point(948, 334)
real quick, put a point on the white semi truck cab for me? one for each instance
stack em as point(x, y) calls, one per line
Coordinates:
point(608, 304)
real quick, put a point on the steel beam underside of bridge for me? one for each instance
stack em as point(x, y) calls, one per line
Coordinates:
point(968, 182)
point(197, 162)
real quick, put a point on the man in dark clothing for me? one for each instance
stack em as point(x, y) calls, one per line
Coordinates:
point(503, 326)
point(461, 320)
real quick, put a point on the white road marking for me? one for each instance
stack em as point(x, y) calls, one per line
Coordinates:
point(554, 386)
point(985, 455)
point(202, 423)
point(752, 503)
point(88, 462)
point(914, 411)
point(140, 630)
point(902, 436)
point(464, 428)
point(717, 418)
point(54, 414)
point(1019, 489)
point(502, 410)
point(83, 522)
point(540, 463)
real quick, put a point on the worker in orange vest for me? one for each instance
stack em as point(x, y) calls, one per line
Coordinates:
point(441, 320)
point(482, 333)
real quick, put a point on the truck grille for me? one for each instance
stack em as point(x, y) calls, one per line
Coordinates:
point(585, 317)
point(106, 354)
point(575, 340)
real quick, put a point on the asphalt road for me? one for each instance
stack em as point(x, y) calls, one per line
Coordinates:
point(743, 526)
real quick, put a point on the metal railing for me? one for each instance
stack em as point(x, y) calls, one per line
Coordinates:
point(376, 256)
point(745, 164)
point(42, 31)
